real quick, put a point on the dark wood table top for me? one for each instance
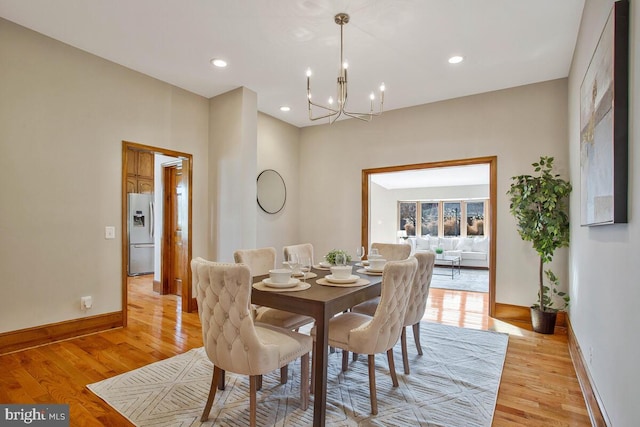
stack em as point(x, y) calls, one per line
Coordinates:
point(296, 301)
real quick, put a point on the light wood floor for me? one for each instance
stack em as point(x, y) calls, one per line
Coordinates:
point(538, 387)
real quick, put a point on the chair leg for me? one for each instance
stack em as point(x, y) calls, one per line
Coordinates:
point(253, 380)
point(416, 337)
point(258, 382)
point(392, 368)
point(221, 380)
point(372, 384)
point(217, 372)
point(304, 381)
point(354, 357)
point(405, 356)
point(284, 374)
point(345, 360)
point(313, 373)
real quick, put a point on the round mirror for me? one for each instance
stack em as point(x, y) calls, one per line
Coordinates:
point(272, 193)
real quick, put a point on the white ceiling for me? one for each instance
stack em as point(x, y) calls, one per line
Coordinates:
point(434, 177)
point(269, 44)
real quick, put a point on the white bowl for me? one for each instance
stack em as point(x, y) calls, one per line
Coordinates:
point(377, 263)
point(341, 271)
point(280, 275)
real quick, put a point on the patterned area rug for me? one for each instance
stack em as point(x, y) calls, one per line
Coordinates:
point(455, 383)
point(471, 280)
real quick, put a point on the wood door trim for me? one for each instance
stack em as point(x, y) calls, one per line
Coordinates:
point(187, 304)
point(492, 161)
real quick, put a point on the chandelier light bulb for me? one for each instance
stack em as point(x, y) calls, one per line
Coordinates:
point(372, 96)
point(331, 100)
point(308, 72)
point(345, 65)
point(382, 87)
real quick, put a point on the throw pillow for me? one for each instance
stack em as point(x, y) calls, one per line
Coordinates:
point(465, 244)
point(422, 244)
point(480, 244)
point(449, 243)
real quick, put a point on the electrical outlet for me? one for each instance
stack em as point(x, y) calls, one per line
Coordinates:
point(109, 232)
point(86, 303)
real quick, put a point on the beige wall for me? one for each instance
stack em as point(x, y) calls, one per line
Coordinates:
point(232, 161)
point(604, 260)
point(63, 117)
point(278, 149)
point(517, 125)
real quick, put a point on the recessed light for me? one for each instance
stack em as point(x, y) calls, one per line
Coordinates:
point(220, 63)
point(455, 59)
point(285, 108)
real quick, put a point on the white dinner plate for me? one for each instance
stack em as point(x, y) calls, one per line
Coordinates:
point(351, 279)
point(291, 283)
point(374, 270)
point(325, 264)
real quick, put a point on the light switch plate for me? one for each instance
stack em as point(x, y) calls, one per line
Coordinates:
point(109, 232)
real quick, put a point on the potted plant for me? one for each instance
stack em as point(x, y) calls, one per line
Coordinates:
point(539, 204)
point(439, 252)
point(331, 256)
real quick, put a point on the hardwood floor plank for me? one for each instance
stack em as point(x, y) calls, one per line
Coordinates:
point(538, 386)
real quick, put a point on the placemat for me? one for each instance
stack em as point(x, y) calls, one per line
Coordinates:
point(359, 282)
point(299, 287)
point(370, 273)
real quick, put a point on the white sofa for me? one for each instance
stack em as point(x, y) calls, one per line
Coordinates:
point(473, 251)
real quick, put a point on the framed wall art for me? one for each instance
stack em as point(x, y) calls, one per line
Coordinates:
point(604, 125)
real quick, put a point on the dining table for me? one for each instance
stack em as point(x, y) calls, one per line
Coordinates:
point(321, 302)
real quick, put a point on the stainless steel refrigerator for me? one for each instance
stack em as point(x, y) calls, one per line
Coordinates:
point(140, 234)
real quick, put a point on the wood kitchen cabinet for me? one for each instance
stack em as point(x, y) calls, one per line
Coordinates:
point(139, 171)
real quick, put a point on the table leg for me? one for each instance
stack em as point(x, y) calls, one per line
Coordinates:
point(320, 357)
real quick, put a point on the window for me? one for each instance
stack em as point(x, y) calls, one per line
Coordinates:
point(429, 218)
point(408, 217)
point(440, 218)
point(451, 219)
point(475, 218)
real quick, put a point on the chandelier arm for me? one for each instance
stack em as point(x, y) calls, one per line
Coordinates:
point(363, 117)
point(331, 113)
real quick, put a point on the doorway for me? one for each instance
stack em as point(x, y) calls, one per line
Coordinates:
point(173, 236)
point(490, 161)
point(183, 163)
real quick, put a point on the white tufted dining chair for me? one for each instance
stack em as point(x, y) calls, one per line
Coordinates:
point(392, 251)
point(416, 307)
point(303, 250)
point(260, 261)
point(231, 339)
point(375, 334)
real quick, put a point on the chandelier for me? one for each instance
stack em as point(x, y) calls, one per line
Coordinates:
point(333, 112)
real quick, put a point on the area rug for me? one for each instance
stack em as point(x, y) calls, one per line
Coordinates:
point(470, 280)
point(455, 383)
